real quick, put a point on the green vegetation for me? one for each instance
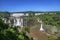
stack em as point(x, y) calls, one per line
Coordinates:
point(51, 19)
point(11, 33)
point(4, 14)
point(51, 23)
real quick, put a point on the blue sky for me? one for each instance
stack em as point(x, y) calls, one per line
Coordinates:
point(29, 5)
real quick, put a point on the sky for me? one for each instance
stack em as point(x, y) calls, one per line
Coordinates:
point(29, 5)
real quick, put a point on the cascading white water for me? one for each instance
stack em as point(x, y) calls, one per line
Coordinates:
point(9, 21)
point(5, 21)
point(21, 22)
point(41, 28)
point(14, 22)
point(18, 22)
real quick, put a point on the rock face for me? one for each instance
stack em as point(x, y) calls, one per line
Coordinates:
point(38, 35)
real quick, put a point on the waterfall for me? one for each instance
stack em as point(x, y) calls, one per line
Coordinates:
point(21, 22)
point(14, 22)
point(9, 21)
point(41, 28)
point(18, 22)
point(5, 21)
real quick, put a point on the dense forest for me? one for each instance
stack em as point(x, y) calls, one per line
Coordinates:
point(11, 33)
point(50, 21)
